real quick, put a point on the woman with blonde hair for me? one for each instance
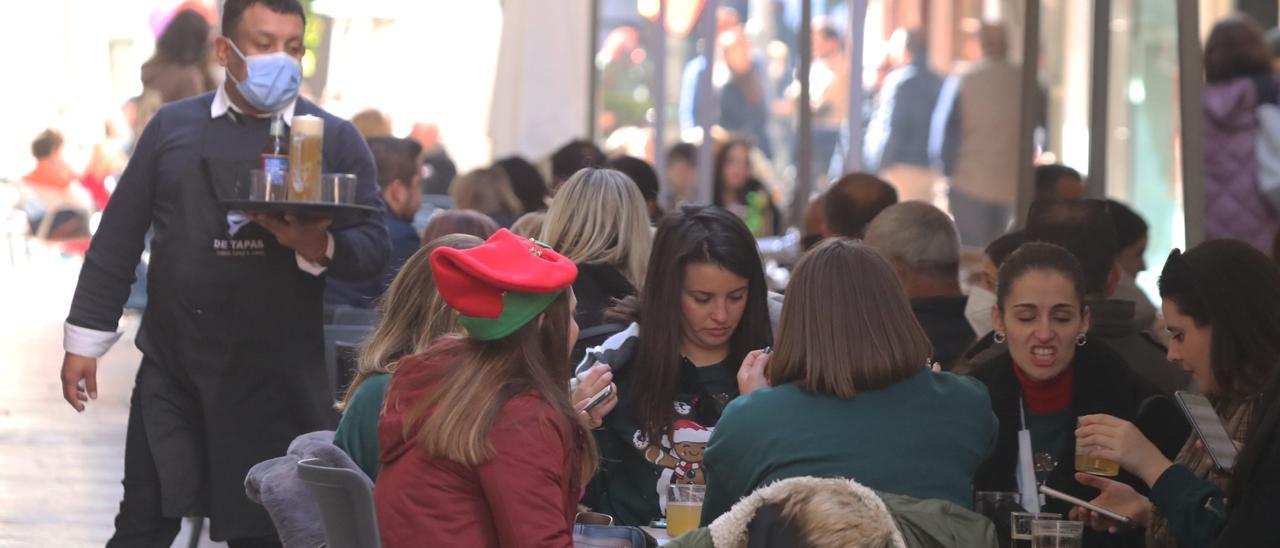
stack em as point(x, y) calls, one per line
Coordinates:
point(412, 315)
point(487, 190)
point(600, 221)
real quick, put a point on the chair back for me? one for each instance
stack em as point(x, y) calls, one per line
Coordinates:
point(345, 499)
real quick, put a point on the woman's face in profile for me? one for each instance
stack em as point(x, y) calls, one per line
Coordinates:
point(1190, 346)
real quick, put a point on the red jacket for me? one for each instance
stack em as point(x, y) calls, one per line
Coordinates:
point(523, 496)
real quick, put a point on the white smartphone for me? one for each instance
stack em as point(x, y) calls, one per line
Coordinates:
point(1209, 427)
point(1120, 518)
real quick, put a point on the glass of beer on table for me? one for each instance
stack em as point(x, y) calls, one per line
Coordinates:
point(684, 508)
point(306, 143)
point(1088, 464)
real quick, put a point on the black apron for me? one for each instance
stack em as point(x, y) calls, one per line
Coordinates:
point(233, 342)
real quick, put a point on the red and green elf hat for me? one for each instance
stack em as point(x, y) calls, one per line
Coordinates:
point(500, 286)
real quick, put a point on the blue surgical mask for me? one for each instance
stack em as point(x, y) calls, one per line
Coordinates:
point(273, 82)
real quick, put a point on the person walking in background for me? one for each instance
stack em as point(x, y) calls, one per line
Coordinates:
point(922, 245)
point(984, 138)
point(744, 101)
point(1238, 76)
point(897, 144)
point(179, 68)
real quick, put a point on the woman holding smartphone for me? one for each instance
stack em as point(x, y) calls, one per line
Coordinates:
point(702, 309)
point(480, 443)
point(1221, 304)
point(1049, 374)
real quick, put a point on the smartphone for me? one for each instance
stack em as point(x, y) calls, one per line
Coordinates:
point(1209, 427)
point(599, 398)
point(1119, 518)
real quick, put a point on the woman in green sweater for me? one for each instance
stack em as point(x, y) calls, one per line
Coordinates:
point(1221, 305)
point(849, 393)
point(412, 315)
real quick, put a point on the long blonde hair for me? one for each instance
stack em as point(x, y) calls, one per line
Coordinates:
point(600, 217)
point(411, 315)
point(454, 419)
point(488, 191)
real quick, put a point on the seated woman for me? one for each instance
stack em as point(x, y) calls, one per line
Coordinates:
point(1221, 305)
point(739, 191)
point(702, 309)
point(851, 394)
point(480, 444)
point(411, 317)
point(1049, 375)
point(599, 222)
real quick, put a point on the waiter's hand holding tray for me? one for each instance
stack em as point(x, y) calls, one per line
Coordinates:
point(332, 196)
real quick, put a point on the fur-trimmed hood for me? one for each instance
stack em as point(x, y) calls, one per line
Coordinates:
point(830, 512)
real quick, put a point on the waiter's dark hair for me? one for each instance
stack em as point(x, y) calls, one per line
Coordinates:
point(233, 11)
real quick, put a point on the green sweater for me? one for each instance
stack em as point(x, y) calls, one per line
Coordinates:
point(922, 437)
point(357, 432)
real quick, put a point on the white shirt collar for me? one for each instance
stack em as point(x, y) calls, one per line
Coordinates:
point(222, 103)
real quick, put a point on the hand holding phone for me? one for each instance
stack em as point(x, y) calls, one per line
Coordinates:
point(1209, 428)
point(1114, 516)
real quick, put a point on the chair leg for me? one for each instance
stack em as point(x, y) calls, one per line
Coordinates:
point(197, 529)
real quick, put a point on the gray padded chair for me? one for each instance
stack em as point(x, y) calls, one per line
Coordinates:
point(345, 498)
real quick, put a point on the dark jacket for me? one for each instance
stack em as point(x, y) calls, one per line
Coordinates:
point(1111, 322)
point(232, 334)
point(1199, 516)
point(943, 321)
point(1100, 385)
point(898, 132)
point(405, 241)
point(597, 288)
point(521, 496)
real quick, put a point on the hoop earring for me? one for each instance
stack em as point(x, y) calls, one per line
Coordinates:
point(998, 337)
point(1081, 339)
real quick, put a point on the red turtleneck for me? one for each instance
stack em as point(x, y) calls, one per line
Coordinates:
point(1043, 397)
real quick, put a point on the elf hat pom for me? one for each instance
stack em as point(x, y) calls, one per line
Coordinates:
point(500, 286)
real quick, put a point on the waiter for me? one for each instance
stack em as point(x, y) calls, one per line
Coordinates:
point(233, 365)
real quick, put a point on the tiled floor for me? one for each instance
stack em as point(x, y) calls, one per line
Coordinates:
point(59, 471)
